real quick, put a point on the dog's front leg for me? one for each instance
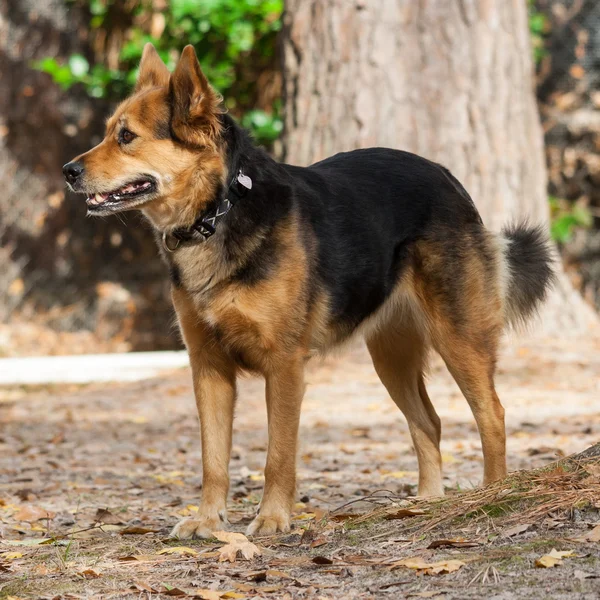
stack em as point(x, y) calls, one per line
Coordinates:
point(215, 390)
point(285, 388)
point(215, 398)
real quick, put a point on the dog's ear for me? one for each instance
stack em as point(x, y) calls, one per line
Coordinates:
point(196, 105)
point(153, 71)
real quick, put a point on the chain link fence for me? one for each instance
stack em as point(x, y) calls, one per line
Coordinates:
point(68, 284)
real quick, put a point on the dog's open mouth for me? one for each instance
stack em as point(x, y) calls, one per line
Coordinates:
point(130, 194)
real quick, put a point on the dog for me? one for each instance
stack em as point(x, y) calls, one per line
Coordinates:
point(272, 263)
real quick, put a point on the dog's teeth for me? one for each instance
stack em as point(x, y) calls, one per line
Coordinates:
point(99, 199)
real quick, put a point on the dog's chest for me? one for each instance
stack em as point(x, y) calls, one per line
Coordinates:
point(243, 323)
point(195, 269)
point(249, 319)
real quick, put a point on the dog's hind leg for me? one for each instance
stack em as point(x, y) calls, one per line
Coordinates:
point(472, 367)
point(459, 288)
point(399, 356)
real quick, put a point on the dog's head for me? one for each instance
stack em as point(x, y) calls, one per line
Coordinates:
point(161, 152)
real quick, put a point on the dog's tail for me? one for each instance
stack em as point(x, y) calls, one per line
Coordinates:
point(528, 273)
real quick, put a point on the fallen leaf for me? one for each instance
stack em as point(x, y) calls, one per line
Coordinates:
point(275, 573)
point(340, 517)
point(594, 534)
point(215, 595)
point(36, 542)
point(143, 558)
point(322, 560)
point(41, 570)
point(547, 561)
point(320, 541)
point(11, 555)
point(89, 574)
point(208, 594)
point(404, 513)
point(458, 543)
point(181, 550)
point(304, 517)
point(590, 536)
point(562, 554)
point(33, 513)
point(172, 591)
point(144, 587)
point(516, 530)
point(105, 516)
point(137, 530)
point(553, 559)
point(236, 543)
point(441, 567)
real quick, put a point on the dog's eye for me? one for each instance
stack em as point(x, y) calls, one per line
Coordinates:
point(126, 136)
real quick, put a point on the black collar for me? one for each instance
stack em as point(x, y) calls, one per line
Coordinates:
point(205, 225)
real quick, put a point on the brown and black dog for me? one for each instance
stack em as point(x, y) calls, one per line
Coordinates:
point(271, 263)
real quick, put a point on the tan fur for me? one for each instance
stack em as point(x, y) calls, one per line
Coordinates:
point(469, 351)
point(214, 386)
point(399, 355)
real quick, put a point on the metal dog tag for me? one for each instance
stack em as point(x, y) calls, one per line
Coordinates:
point(245, 181)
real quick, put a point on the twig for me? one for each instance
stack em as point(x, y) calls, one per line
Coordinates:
point(70, 533)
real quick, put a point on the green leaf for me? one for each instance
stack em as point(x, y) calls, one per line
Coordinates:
point(266, 128)
point(537, 23)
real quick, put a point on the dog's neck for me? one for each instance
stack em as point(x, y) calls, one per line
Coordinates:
point(243, 229)
point(205, 225)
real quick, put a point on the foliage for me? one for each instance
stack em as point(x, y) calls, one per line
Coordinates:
point(234, 40)
point(566, 218)
point(538, 27)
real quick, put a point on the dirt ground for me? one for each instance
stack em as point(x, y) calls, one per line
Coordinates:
point(101, 473)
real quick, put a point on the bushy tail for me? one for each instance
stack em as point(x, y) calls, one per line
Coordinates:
point(529, 270)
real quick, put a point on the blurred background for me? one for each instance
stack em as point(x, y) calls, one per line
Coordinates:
point(506, 94)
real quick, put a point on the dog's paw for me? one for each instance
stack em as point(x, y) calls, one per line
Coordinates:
point(200, 527)
point(269, 524)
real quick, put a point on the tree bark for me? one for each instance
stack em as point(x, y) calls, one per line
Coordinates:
point(449, 80)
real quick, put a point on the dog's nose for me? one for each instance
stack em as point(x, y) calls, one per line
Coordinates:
point(72, 171)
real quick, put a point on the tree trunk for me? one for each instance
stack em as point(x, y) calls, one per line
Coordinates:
point(450, 80)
